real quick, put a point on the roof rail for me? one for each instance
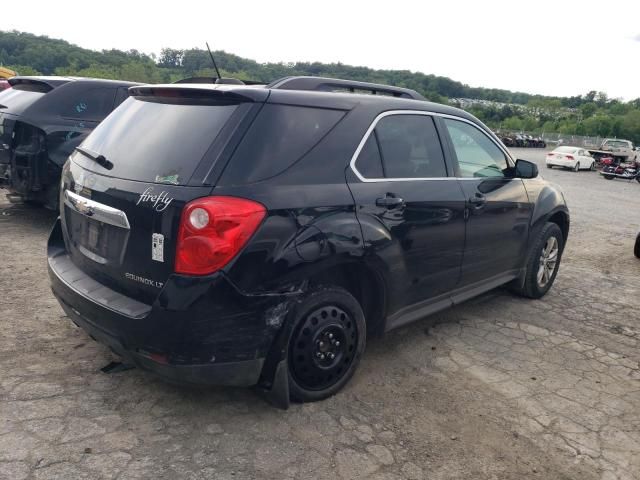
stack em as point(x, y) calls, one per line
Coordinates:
point(323, 84)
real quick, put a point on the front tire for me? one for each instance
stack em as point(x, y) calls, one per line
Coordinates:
point(636, 248)
point(593, 166)
point(543, 262)
point(576, 168)
point(327, 341)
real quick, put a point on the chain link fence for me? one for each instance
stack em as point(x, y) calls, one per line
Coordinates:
point(553, 139)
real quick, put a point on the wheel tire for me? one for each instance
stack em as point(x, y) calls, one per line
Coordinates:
point(532, 288)
point(549, 166)
point(636, 248)
point(576, 168)
point(325, 317)
point(592, 167)
point(608, 177)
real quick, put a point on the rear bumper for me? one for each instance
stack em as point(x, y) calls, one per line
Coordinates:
point(562, 163)
point(242, 373)
point(198, 331)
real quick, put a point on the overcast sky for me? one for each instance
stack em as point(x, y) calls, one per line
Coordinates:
point(548, 47)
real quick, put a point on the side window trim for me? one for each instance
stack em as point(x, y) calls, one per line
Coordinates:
point(447, 147)
point(445, 143)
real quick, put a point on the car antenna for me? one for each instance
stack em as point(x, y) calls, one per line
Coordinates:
point(213, 60)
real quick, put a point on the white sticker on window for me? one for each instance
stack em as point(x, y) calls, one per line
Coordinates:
point(157, 247)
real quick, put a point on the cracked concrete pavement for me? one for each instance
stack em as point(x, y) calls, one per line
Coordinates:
point(498, 388)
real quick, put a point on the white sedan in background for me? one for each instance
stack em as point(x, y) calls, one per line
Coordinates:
point(575, 158)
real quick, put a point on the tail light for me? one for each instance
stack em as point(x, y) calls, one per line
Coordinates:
point(569, 157)
point(212, 232)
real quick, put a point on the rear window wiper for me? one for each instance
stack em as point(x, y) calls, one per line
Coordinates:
point(96, 157)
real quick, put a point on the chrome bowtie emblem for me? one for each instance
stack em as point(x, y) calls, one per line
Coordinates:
point(84, 208)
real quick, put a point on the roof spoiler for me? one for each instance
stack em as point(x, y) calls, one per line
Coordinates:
point(44, 84)
point(193, 91)
point(323, 84)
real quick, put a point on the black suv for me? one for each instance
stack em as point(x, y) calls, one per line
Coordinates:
point(42, 119)
point(257, 235)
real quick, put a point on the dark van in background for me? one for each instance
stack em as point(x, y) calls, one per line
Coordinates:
point(42, 119)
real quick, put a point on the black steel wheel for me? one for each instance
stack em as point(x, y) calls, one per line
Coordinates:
point(327, 341)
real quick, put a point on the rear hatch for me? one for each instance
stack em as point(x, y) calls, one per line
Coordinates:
point(124, 189)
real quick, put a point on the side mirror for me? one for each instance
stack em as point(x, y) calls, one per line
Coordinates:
point(526, 169)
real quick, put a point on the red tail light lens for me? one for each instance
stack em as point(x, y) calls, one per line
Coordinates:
point(212, 232)
point(569, 157)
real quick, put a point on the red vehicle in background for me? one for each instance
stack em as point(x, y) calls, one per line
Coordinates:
point(4, 84)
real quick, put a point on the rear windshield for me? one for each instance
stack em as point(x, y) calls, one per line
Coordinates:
point(566, 150)
point(16, 100)
point(155, 142)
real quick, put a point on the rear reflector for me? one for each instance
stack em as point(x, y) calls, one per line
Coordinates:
point(212, 232)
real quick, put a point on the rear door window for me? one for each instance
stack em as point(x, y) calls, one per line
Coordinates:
point(407, 146)
point(156, 142)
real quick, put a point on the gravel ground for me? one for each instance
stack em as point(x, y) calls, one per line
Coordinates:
point(497, 388)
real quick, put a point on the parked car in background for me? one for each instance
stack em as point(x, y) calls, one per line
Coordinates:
point(508, 140)
point(619, 149)
point(575, 158)
point(242, 235)
point(42, 119)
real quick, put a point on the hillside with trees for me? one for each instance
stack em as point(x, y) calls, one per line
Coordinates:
point(591, 114)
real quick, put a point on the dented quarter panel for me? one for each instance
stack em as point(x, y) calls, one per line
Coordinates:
point(309, 240)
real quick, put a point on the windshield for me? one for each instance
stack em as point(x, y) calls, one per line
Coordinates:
point(13, 100)
point(616, 143)
point(155, 142)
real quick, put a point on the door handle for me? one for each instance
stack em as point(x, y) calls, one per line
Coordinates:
point(478, 200)
point(389, 201)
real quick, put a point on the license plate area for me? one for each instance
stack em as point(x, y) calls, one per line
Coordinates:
point(101, 242)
